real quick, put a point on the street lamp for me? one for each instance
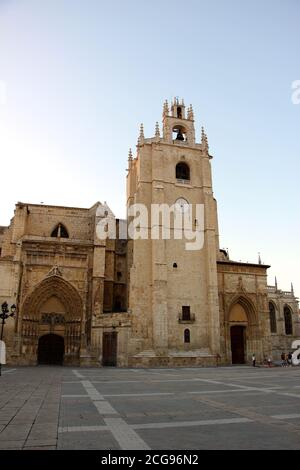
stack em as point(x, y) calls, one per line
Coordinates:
point(4, 316)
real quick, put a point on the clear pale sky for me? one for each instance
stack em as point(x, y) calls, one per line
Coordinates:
point(81, 75)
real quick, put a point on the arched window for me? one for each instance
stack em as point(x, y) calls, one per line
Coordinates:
point(182, 171)
point(187, 336)
point(272, 315)
point(288, 321)
point(60, 231)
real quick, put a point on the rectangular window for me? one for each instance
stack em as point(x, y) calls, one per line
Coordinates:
point(186, 313)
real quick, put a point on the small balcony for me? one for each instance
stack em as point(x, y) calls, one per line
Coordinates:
point(186, 318)
point(183, 181)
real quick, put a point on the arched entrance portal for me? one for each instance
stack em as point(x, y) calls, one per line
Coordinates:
point(51, 349)
point(240, 330)
point(51, 322)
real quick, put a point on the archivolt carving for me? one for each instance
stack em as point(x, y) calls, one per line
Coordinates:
point(51, 286)
point(246, 303)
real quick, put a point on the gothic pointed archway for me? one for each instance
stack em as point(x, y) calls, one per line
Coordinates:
point(242, 331)
point(51, 311)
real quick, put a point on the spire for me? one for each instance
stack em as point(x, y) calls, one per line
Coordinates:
point(204, 140)
point(129, 160)
point(190, 113)
point(276, 287)
point(141, 136)
point(157, 132)
point(259, 258)
point(292, 288)
point(166, 108)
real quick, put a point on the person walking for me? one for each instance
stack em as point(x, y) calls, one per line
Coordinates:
point(269, 361)
point(283, 359)
point(253, 359)
point(289, 359)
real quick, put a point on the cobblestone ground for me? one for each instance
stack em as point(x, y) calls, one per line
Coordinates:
point(191, 408)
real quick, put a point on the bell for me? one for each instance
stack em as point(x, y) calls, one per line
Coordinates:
point(179, 135)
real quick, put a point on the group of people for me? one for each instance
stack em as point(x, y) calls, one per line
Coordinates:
point(268, 361)
point(286, 359)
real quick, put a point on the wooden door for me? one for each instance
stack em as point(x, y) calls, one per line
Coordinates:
point(238, 344)
point(109, 353)
point(51, 349)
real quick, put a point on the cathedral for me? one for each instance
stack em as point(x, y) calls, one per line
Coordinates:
point(85, 300)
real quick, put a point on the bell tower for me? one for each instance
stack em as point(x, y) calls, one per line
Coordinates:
point(173, 291)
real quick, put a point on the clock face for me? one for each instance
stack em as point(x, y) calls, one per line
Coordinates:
point(182, 205)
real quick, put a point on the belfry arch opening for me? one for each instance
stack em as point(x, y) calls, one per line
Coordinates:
point(182, 171)
point(179, 133)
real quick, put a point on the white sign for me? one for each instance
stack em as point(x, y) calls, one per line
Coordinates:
point(2, 353)
point(296, 354)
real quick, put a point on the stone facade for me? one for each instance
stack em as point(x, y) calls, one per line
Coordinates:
point(141, 302)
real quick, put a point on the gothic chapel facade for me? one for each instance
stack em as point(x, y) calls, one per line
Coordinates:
point(83, 300)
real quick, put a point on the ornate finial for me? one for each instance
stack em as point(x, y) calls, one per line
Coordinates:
point(166, 108)
point(157, 132)
point(129, 160)
point(204, 140)
point(190, 113)
point(141, 136)
point(276, 287)
point(182, 102)
point(259, 258)
point(55, 271)
point(292, 288)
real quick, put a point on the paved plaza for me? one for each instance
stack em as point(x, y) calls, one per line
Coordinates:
point(190, 408)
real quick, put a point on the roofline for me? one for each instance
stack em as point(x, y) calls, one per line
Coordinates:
point(240, 263)
point(29, 204)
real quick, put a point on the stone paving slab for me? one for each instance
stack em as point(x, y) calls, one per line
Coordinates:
point(43, 431)
point(15, 432)
point(40, 448)
point(40, 442)
point(7, 445)
point(88, 441)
